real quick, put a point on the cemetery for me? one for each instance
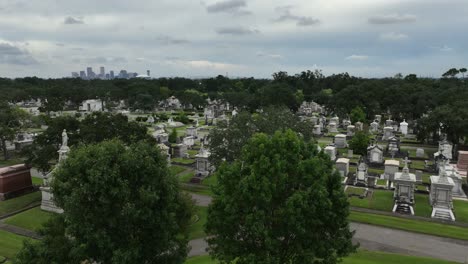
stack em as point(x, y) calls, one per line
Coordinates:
point(397, 178)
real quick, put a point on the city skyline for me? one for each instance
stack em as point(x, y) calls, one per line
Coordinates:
point(245, 38)
point(89, 74)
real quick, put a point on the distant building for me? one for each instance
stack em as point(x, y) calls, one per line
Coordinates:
point(90, 73)
point(93, 105)
point(111, 74)
point(82, 75)
point(75, 75)
point(102, 71)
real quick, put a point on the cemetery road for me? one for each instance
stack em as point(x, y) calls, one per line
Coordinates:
point(376, 238)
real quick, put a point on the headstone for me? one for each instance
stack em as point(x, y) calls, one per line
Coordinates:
point(388, 133)
point(393, 145)
point(191, 131)
point(350, 154)
point(462, 163)
point(189, 141)
point(350, 130)
point(203, 165)
point(359, 126)
point(404, 127)
point(346, 122)
point(404, 190)
point(420, 153)
point(391, 167)
point(332, 128)
point(389, 123)
point(331, 151)
point(361, 175)
point(335, 120)
point(340, 141)
point(418, 174)
point(317, 130)
point(445, 149)
point(374, 127)
point(441, 195)
point(342, 165)
point(378, 118)
point(375, 154)
point(457, 179)
point(179, 151)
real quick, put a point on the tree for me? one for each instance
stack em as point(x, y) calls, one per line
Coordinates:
point(11, 120)
point(280, 202)
point(451, 73)
point(173, 136)
point(227, 139)
point(121, 205)
point(359, 143)
point(357, 115)
point(52, 104)
point(462, 71)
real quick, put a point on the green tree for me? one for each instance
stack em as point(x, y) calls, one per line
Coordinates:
point(357, 115)
point(279, 203)
point(359, 143)
point(52, 104)
point(173, 136)
point(121, 205)
point(462, 71)
point(451, 73)
point(11, 121)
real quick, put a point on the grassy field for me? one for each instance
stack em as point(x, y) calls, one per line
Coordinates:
point(196, 229)
point(183, 161)
point(355, 191)
point(11, 161)
point(361, 257)
point(36, 181)
point(18, 203)
point(378, 200)
point(422, 206)
point(31, 219)
point(10, 244)
point(429, 228)
point(461, 210)
point(185, 178)
point(176, 169)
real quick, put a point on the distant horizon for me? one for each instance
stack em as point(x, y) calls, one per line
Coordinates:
point(366, 38)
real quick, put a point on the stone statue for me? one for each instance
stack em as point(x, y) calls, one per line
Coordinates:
point(64, 138)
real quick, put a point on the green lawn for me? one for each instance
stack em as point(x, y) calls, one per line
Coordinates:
point(18, 203)
point(31, 219)
point(11, 161)
point(361, 257)
point(10, 244)
point(197, 229)
point(185, 178)
point(418, 226)
point(176, 169)
point(421, 205)
point(183, 161)
point(461, 210)
point(379, 200)
point(355, 191)
point(36, 181)
point(210, 180)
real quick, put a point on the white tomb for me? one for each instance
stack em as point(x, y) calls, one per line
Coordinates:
point(317, 130)
point(445, 149)
point(350, 130)
point(340, 141)
point(374, 127)
point(375, 154)
point(378, 118)
point(457, 179)
point(189, 141)
point(342, 165)
point(204, 167)
point(359, 126)
point(388, 133)
point(361, 175)
point(330, 151)
point(404, 190)
point(389, 123)
point(191, 131)
point(441, 196)
point(404, 127)
point(332, 128)
point(391, 167)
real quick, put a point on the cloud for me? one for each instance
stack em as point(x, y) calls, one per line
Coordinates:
point(59, 44)
point(286, 15)
point(443, 48)
point(357, 57)
point(103, 60)
point(69, 20)
point(203, 65)
point(167, 40)
point(11, 54)
point(236, 31)
point(229, 6)
point(391, 19)
point(393, 36)
point(269, 55)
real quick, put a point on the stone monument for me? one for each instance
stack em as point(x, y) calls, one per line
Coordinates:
point(342, 165)
point(204, 168)
point(340, 141)
point(404, 190)
point(350, 130)
point(404, 127)
point(375, 154)
point(331, 151)
point(441, 195)
point(361, 175)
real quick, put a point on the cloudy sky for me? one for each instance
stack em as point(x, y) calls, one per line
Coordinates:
point(190, 38)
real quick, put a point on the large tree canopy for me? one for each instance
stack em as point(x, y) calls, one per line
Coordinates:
point(121, 205)
point(280, 202)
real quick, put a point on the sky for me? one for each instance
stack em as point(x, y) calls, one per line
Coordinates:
point(240, 38)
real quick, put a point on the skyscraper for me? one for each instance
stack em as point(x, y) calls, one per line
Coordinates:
point(82, 75)
point(90, 73)
point(102, 72)
point(112, 74)
point(75, 75)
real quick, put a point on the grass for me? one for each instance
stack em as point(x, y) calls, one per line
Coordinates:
point(185, 178)
point(36, 181)
point(381, 182)
point(355, 191)
point(18, 203)
point(176, 169)
point(461, 210)
point(378, 200)
point(197, 229)
point(31, 219)
point(183, 161)
point(192, 152)
point(361, 257)
point(11, 161)
point(430, 228)
point(10, 244)
point(422, 206)
point(210, 180)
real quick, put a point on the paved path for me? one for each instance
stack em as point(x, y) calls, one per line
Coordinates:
point(377, 238)
point(18, 231)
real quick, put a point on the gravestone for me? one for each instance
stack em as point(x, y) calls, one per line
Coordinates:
point(317, 130)
point(391, 167)
point(388, 133)
point(389, 123)
point(404, 191)
point(375, 154)
point(332, 128)
point(393, 145)
point(150, 120)
point(462, 163)
point(350, 130)
point(179, 151)
point(335, 120)
point(189, 141)
point(378, 118)
point(314, 120)
point(445, 149)
point(420, 153)
point(374, 127)
point(361, 175)
point(342, 165)
point(340, 141)
point(346, 123)
point(203, 165)
point(350, 154)
point(359, 126)
point(404, 127)
point(457, 179)
point(441, 195)
point(418, 174)
point(191, 131)
point(331, 151)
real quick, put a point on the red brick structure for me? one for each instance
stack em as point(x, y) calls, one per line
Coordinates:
point(14, 180)
point(462, 163)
